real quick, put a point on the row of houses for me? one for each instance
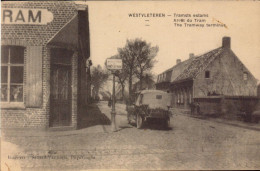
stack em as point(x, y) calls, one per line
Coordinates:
point(217, 72)
point(45, 51)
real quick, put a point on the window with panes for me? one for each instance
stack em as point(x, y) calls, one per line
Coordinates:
point(12, 72)
point(245, 76)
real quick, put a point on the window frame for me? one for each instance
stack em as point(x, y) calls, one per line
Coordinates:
point(9, 103)
point(207, 73)
point(245, 76)
point(158, 96)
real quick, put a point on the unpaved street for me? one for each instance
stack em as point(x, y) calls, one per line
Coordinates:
point(190, 143)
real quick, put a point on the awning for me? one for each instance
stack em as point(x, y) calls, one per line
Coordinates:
point(67, 36)
point(74, 34)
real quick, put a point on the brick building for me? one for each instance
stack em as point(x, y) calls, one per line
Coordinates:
point(44, 57)
point(217, 72)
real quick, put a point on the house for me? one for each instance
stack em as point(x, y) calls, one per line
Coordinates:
point(217, 72)
point(148, 83)
point(45, 49)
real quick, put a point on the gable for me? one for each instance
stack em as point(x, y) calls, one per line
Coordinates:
point(192, 67)
point(226, 77)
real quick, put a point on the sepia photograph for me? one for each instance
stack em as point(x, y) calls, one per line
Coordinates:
point(130, 85)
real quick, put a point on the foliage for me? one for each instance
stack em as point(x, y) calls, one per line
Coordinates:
point(98, 77)
point(138, 59)
point(144, 60)
point(148, 82)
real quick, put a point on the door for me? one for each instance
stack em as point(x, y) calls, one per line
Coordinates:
point(60, 104)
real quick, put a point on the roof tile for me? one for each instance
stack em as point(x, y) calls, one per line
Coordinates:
point(189, 68)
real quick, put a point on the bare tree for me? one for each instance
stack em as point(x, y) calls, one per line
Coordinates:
point(149, 80)
point(99, 77)
point(128, 56)
point(138, 58)
point(122, 77)
point(145, 59)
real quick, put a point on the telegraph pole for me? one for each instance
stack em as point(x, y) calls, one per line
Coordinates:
point(113, 111)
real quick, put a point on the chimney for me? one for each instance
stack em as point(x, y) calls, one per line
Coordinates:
point(178, 61)
point(191, 55)
point(226, 42)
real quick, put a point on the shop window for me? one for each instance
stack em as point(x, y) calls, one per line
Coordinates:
point(245, 76)
point(12, 69)
point(159, 97)
point(207, 74)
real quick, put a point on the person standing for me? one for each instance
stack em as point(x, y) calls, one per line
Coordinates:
point(109, 102)
point(192, 107)
point(198, 108)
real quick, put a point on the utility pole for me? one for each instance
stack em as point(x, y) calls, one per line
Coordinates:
point(113, 111)
point(113, 65)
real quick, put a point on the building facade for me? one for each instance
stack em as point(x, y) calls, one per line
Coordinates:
point(44, 49)
point(217, 72)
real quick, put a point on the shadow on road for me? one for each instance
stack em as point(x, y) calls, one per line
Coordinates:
point(91, 116)
point(154, 124)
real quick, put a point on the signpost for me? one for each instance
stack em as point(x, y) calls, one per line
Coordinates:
point(113, 65)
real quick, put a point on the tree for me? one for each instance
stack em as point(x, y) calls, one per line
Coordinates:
point(148, 82)
point(98, 77)
point(144, 60)
point(121, 76)
point(137, 57)
point(128, 56)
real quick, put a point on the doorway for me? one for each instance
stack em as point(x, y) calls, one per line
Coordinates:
point(60, 84)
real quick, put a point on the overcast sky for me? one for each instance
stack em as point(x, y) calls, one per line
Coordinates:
point(110, 26)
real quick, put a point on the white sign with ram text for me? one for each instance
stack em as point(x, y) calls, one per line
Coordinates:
point(26, 16)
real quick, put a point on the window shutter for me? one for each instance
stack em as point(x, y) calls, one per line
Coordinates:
point(34, 76)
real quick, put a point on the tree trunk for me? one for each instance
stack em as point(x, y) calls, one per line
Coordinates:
point(130, 86)
point(141, 80)
point(96, 93)
point(123, 91)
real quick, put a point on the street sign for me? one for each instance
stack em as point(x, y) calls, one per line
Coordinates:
point(114, 64)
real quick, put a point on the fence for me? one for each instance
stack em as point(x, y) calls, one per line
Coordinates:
point(229, 107)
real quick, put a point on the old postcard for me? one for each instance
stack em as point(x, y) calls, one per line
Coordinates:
point(130, 85)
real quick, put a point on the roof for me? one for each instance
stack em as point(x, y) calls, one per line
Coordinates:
point(153, 91)
point(191, 67)
point(198, 64)
point(68, 34)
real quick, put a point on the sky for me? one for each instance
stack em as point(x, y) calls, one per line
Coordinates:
point(111, 26)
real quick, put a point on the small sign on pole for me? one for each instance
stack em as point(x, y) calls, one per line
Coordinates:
point(114, 64)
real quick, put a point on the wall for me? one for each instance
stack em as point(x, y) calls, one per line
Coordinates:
point(182, 92)
point(181, 97)
point(230, 107)
point(37, 35)
point(31, 117)
point(226, 77)
point(164, 86)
